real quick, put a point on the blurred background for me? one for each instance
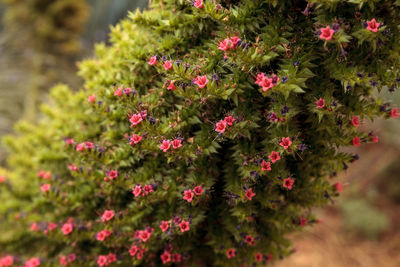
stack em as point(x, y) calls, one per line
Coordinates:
point(41, 42)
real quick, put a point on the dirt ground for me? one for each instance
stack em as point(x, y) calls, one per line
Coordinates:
point(329, 244)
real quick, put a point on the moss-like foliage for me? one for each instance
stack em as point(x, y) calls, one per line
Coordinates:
point(206, 132)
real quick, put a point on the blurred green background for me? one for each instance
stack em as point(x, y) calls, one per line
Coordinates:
point(41, 42)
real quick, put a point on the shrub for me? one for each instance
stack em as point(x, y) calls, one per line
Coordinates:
point(205, 134)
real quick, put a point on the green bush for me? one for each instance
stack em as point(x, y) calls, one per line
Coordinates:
point(205, 134)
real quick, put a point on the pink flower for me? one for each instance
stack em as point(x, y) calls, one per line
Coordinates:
point(137, 190)
point(51, 226)
point(258, 257)
point(144, 236)
point(373, 26)
point(220, 126)
point(320, 103)
point(249, 194)
point(133, 250)
point(2, 179)
point(167, 65)
point(234, 41)
point(147, 189)
point(113, 174)
point(355, 121)
point(198, 4)
point(72, 167)
point(6, 261)
point(356, 141)
point(288, 183)
point(375, 139)
point(80, 147)
point(165, 145)
point(91, 98)
point(326, 33)
point(394, 113)
point(67, 228)
point(153, 61)
point(34, 227)
point(100, 236)
point(201, 81)
point(88, 145)
point(118, 92)
point(231, 253)
point(47, 175)
point(32, 262)
point(338, 187)
point(176, 143)
point(164, 225)
point(265, 165)
point(184, 225)
point(107, 215)
point(285, 142)
point(165, 257)
point(135, 139)
point(45, 188)
point(266, 84)
point(249, 240)
point(198, 190)
point(224, 45)
point(176, 257)
point(69, 141)
point(171, 86)
point(111, 257)
point(229, 120)
point(274, 156)
point(302, 221)
point(64, 261)
point(260, 78)
point(102, 260)
point(135, 119)
point(188, 195)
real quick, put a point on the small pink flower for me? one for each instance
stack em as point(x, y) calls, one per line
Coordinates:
point(137, 190)
point(91, 98)
point(220, 126)
point(34, 227)
point(118, 92)
point(32, 262)
point(135, 139)
point(234, 41)
point(111, 257)
point(164, 225)
point(265, 166)
point(355, 121)
point(176, 143)
point(67, 228)
point(338, 187)
point(7, 261)
point(266, 84)
point(113, 174)
point(51, 226)
point(288, 183)
point(64, 261)
point(165, 145)
point(45, 188)
point(231, 253)
point(326, 33)
point(167, 65)
point(47, 175)
point(69, 141)
point(133, 250)
point(258, 257)
point(320, 103)
point(373, 26)
point(89, 145)
point(80, 147)
point(249, 194)
point(302, 221)
point(153, 61)
point(201, 81)
point(107, 215)
point(171, 86)
point(249, 240)
point(102, 260)
point(147, 189)
point(165, 257)
point(72, 167)
point(229, 120)
point(285, 142)
point(198, 4)
point(375, 139)
point(101, 236)
point(356, 141)
point(260, 78)
point(188, 195)
point(176, 257)
point(184, 225)
point(274, 156)
point(394, 113)
point(135, 119)
point(224, 45)
point(145, 235)
point(198, 190)
point(2, 179)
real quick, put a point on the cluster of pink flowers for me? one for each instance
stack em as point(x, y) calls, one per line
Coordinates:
point(44, 174)
point(288, 183)
point(107, 215)
point(137, 251)
point(182, 224)
point(32, 262)
point(189, 194)
point(120, 91)
point(221, 125)
point(111, 175)
point(102, 235)
point(168, 257)
point(6, 261)
point(265, 82)
point(166, 144)
point(140, 190)
point(66, 260)
point(105, 260)
point(274, 157)
point(85, 145)
point(229, 43)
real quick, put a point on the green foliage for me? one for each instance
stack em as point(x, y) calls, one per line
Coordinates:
point(276, 38)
